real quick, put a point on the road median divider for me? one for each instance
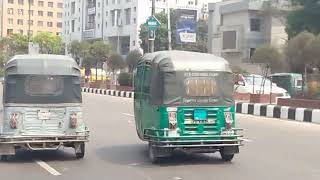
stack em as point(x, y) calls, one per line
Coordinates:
point(280, 112)
point(125, 94)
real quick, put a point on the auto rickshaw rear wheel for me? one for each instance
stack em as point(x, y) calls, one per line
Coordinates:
point(152, 153)
point(226, 157)
point(81, 153)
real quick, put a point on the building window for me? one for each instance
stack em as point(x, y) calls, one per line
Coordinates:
point(128, 15)
point(10, 1)
point(20, 31)
point(40, 3)
point(49, 24)
point(134, 20)
point(255, 25)
point(113, 1)
point(59, 15)
point(10, 21)
point(40, 23)
point(30, 12)
point(50, 4)
point(50, 14)
point(30, 22)
point(9, 31)
point(252, 51)
point(31, 2)
point(10, 11)
point(20, 21)
point(113, 17)
point(229, 40)
point(59, 25)
point(20, 2)
point(72, 25)
point(60, 5)
point(133, 43)
point(135, 9)
point(20, 11)
point(40, 13)
point(73, 7)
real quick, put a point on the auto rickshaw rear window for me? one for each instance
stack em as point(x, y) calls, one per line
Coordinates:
point(200, 87)
point(44, 85)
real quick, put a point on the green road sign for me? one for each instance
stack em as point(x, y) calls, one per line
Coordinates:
point(152, 23)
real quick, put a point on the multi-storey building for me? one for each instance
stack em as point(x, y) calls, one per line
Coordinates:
point(117, 21)
point(238, 27)
point(45, 15)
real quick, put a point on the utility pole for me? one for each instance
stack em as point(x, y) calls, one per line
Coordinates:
point(29, 22)
point(169, 26)
point(151, 42)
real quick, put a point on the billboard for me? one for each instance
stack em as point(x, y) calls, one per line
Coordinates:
point(186, 26)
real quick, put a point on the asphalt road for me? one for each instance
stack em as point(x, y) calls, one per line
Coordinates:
point(275, 149)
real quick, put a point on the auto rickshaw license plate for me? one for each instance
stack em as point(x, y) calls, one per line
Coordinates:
point(44, 114)
point(200, 115)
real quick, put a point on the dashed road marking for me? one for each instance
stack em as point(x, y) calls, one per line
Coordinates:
point(48, 168)
point(245, 140)
point(126, 114)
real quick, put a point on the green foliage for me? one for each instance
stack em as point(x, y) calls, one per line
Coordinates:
point(132, 59)
point(48, 43)
point(161, 41)
point(304, 18)
point(297, 53)
point(19, 44)
point(271, 56)
point(116, 62)
point(100, 51)
point(125, 79)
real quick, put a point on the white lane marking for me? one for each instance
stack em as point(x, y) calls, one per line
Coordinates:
point(126, 114)
point(245, 140)
point(48, 168)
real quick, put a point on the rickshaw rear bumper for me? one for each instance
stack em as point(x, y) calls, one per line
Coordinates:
point(9, 143)
point(209, 142)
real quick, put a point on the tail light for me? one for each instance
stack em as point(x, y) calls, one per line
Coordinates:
point(73, 120)
point(228, 120)
point(172, 118)
point(13, 120)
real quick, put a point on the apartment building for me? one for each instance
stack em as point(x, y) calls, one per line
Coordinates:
point(117, 21)
point(45, 15)
point(238, 27)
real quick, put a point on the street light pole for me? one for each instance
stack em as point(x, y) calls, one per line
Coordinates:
point(153, 9)
point(29, 21)
point(169, 26)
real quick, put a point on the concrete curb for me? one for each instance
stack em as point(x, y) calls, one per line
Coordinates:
point(281, 112)
point(125, 94)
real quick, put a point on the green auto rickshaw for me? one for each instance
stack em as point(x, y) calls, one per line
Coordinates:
point(184, 101)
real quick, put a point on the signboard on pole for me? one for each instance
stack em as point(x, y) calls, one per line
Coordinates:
point(152, 23)
point(186, 26)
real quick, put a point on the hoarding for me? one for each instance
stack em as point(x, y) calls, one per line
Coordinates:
point(186, 26)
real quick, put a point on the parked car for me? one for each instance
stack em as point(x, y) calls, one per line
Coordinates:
point(257, 84)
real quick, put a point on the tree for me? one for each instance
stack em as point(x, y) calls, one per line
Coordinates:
point(19, 44)
point(132, 59)
point(48, 43)
point(270, 56)
point(100, 51)
point(304, 18)
point(297, 54)
point(115, 62)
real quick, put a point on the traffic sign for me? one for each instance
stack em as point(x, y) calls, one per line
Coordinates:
point(153, 23)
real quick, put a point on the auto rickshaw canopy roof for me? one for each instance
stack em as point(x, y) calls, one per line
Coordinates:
point(168, 61)
point(42, 64)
